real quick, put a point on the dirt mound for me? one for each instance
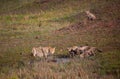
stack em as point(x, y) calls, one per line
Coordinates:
point(82, 26)
point(71, 28)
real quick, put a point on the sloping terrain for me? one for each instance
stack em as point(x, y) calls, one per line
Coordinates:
point(60, 24)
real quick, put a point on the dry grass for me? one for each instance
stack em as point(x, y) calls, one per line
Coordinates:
point(75, 69)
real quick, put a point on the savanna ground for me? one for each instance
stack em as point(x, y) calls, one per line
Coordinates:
point(59, 23)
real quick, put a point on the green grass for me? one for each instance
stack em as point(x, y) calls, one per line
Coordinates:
point(22, 22)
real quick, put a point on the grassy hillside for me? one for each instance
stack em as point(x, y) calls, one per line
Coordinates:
point(60, 24)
